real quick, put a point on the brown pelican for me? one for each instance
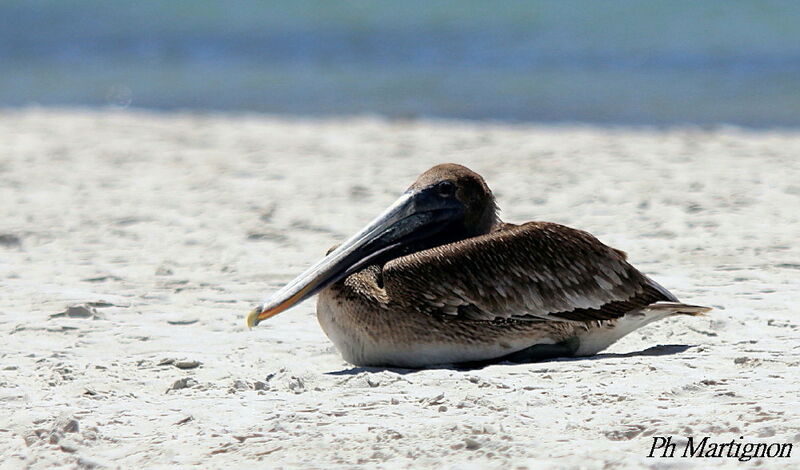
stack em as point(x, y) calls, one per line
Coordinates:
point(437, 278)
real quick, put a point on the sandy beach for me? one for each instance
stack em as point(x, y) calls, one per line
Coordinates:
point(132, 245)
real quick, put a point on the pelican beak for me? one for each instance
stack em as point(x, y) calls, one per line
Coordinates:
point(398, 224)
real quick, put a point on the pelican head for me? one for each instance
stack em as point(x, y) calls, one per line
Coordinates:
point(447, 203)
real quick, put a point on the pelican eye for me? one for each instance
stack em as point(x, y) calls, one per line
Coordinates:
point(446, 189)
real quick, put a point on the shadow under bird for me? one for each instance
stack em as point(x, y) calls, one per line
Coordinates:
point(437, 278)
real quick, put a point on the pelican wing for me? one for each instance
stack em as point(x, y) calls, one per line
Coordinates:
point(536, 271)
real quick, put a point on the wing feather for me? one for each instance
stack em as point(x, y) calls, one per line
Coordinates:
point(534, 271)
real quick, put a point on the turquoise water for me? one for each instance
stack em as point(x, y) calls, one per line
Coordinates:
point(659, 62)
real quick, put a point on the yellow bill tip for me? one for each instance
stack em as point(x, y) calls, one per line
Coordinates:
point(264, 311)
point(252, 317)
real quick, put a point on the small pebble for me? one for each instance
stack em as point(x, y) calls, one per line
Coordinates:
point(78, 311)
point(70, 425)
point(7, 239)
point(70, 448)
point(186, 364)
point(83, 462)
point(185, 420)
point(185, 382)
point(239, 385)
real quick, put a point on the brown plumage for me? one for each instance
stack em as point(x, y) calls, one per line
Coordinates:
point(448, 282)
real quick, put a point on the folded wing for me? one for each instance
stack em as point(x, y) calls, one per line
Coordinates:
point(534, 272)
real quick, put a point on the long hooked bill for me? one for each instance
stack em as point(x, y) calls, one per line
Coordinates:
point(381, 234)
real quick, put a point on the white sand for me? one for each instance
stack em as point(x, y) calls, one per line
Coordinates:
point(170, 218)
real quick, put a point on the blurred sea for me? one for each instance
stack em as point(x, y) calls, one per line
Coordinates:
point(614, 61)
